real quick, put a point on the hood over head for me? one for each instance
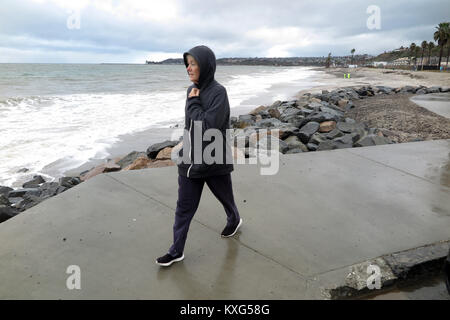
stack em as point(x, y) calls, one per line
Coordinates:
point(206, 60)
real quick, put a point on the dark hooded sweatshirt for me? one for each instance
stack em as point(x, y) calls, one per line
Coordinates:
point(211, 107)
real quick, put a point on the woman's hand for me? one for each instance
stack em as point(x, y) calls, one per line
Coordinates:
point(195, 92)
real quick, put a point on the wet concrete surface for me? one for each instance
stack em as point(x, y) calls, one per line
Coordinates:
point(322, 211)
point(436, 102)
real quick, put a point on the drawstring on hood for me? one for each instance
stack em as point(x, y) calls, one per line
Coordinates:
point(207, 61)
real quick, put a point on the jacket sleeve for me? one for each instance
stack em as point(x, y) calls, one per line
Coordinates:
point(215, 115)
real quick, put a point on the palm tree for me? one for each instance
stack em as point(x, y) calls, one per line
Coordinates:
point(424, 46)
point(441, 36)
point(430, 48)
point(328, 61)
point(353, 51)
point(412, 50)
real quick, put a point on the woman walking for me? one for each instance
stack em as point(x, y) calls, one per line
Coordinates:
point(207, 107)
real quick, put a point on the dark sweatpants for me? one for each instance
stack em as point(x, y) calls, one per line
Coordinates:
point(189, 193)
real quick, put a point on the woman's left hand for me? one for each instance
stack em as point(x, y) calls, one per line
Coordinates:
point(195, 92)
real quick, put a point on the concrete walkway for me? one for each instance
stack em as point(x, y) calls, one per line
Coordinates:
point(436, 102)
point(322, 212)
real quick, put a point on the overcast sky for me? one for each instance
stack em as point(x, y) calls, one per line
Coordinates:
point(132, 31)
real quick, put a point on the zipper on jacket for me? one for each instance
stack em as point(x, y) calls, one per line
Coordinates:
point(190, 148)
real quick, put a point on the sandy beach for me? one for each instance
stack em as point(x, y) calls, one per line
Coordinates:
point(333, 78)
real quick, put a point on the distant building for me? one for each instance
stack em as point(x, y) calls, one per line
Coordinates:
point(400, 62)
point(352, 65)
point(379, 63)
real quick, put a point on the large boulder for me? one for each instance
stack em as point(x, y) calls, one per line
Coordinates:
point(5, 190)
point(327, 126)
point(294, 142)
point(7, 212)
point(307, 131)
point(69, 182)
point(335, 133)
point(154, 149)
point(129, 158)
point(267, 123)
point(319, 117)
point(35, 182)
point(23, 191)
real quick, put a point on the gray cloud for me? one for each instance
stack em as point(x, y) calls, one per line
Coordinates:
point(232, 28)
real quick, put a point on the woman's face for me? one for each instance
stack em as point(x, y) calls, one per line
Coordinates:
point(193, 69)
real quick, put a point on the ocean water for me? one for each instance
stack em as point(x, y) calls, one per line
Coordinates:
point(67, 114)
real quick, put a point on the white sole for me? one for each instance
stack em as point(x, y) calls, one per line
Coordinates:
point(240, 222)
point(169, 263)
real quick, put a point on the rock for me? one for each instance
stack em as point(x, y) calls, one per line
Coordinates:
point(274, 113)
point(35, 182)
point(154, 149)
point(349, 120)
point(381, 140)
point(22, 192)
point(93, 172)
point(335, 133)
point(307, 131)
point(255, 111)
point(129, 158)
point(342, 103)
point(258, 117)
point(111, 166)
point(445, 89)
point(365, 142)
point(290, 113)
point(295, 150)
point(4, 200)
point(276, 104)
point(408, 89)
point(49, 189)
point(160, 164)
point(29, 201)
point(421, 91)
point(23, 170)
point(294, 142)
point(327, 145)
point(312, 146)
point(349, 127)
point(69, 182)
point(337, 113)
point(327, 126)
point(434, 89)
point(164, 154)
point(5, 190)
point(233, 121)
point(7, 212)
point(270, 122)
point(317, 138)
point(140, 163)
point(346, 141)
point(319, 117)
